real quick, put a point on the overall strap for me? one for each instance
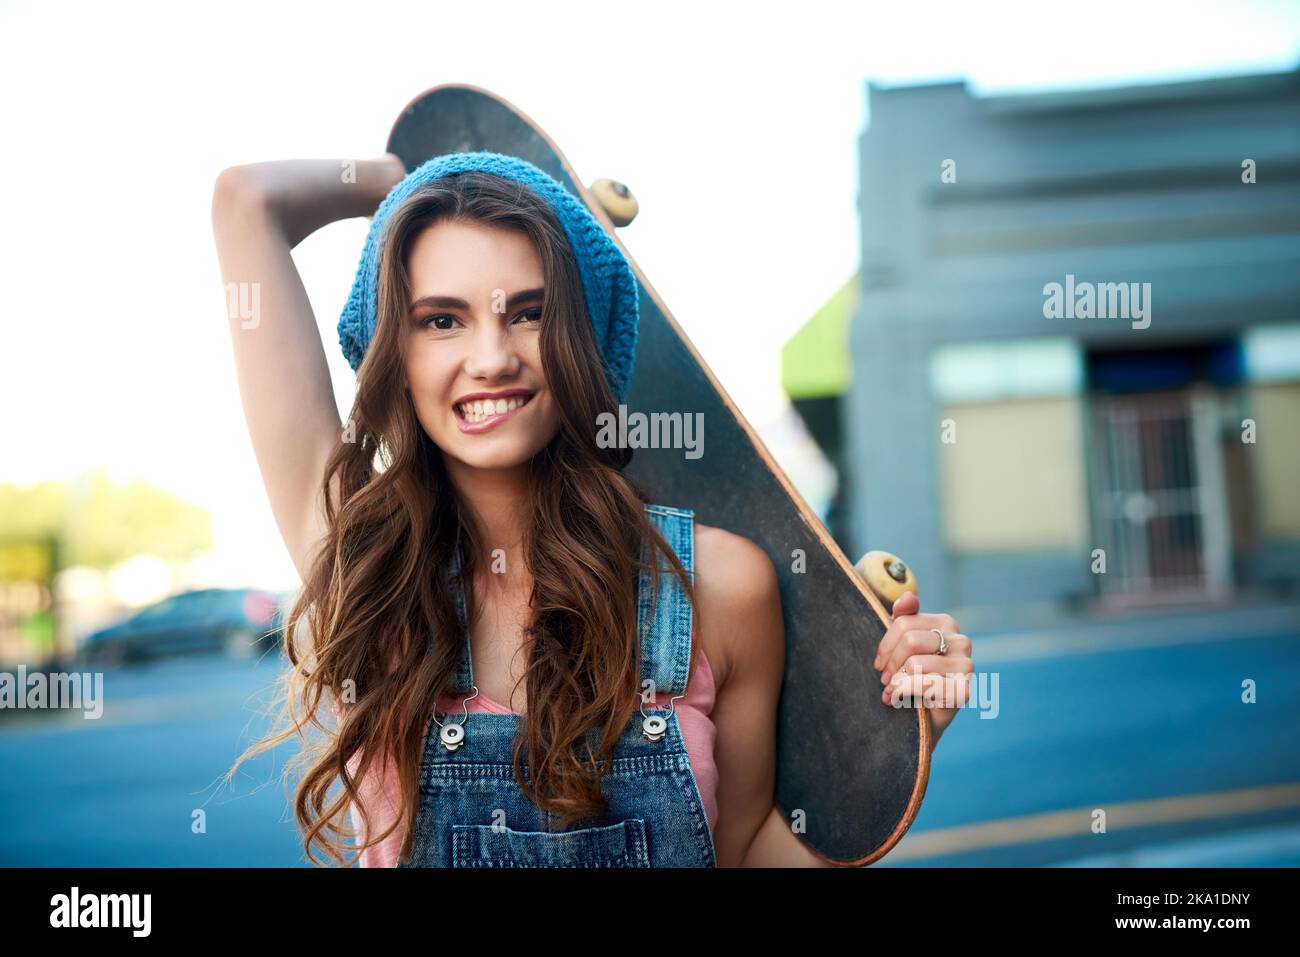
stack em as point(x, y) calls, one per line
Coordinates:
point(666, 632)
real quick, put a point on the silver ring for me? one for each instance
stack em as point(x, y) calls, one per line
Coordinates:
point(943, 642)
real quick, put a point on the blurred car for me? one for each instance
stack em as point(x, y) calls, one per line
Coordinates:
point(242, 622)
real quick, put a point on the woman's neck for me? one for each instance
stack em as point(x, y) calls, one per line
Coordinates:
point(498, 500)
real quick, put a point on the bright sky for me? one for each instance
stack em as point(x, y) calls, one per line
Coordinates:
point(734, 123)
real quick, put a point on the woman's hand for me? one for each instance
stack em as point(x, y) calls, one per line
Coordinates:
point(910, 665)
point(302, 195)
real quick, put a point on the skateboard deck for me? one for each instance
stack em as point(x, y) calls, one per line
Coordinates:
point(851, 770)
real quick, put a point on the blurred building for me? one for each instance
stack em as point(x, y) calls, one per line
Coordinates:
point(1074, 342)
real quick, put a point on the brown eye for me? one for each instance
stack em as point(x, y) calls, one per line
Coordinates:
point(434, 320)
point(532, 315)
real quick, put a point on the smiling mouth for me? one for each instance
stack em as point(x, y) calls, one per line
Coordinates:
point(482, 411)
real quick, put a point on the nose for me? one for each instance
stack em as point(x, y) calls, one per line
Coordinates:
point(491, 353)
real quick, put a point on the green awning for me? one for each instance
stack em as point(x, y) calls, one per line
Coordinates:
point(815, 362)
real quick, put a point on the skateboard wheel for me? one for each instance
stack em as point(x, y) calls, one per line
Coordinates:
point(887, 575)
point(616, 200)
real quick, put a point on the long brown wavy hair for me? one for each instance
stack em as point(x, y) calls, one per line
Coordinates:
point(375, 629)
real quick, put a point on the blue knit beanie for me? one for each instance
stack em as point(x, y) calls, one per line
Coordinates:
point(608, 285)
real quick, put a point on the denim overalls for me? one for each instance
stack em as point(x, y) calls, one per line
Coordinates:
point(472, 814)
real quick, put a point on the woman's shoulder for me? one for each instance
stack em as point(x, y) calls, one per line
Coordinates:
point(746, 565)
point(741, 568)
point(711, 542)
point(739, 600)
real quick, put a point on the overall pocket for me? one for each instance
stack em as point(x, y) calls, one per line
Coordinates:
point(486, 845)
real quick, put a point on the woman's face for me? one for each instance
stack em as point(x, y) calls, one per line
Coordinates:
point(473, 334)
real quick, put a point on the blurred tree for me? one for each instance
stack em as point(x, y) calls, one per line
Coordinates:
point(99, 522)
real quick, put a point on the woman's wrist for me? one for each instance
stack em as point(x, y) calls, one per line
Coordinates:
point(388, 170)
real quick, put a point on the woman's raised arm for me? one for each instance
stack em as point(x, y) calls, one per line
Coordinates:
point(260, 212)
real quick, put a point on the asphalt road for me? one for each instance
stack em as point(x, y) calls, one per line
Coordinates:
point(1154, 735)
point(123, 789)
point(1151, 731)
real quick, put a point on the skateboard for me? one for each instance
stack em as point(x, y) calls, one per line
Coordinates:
point(851, 770)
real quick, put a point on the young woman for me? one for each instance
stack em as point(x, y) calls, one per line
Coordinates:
point(527, 662)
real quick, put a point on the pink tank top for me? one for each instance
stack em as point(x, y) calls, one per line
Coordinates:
point(379, 792)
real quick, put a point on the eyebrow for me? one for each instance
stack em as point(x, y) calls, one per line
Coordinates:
point(451, 302)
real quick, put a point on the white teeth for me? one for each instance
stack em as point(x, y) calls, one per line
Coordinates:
point(477, 410)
